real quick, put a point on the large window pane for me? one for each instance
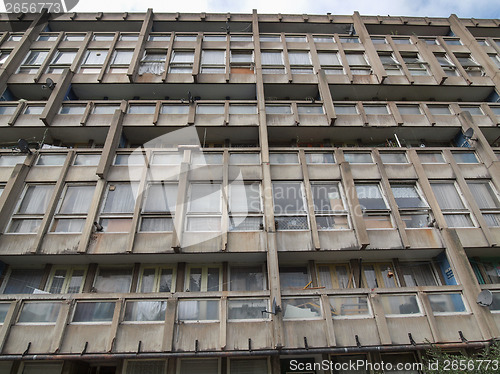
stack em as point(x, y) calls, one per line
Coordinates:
point(246, 278)
point(205, 366)
point(77, 200)
point(42, 312)
point(121, 198)
point(145, 311)
point(113, 280)
point(294, 277)
point(248, 366)
point(288, 198)
point(327, 198)
point(244, 198)
point(484, 195)
point(198, 310)
point(406, 196)
point(246, 308)
point(36, 199)
point(301, 308)
point(346, 306)
point(370, 197)
point(94, 312)
point(161, 198)
point(399, 304)
point(23, 281)
point(447, 303)
point(358, 157)
point(447, 196)
point(205, 198)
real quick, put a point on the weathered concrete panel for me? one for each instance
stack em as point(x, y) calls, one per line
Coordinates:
point(108, 243)
point(295, 331)
point(150, 335)
point(424, 238)
point(246, 242)
point(77, 335)
point(40, 337)
point(472, 237)
point(284, 172)
point(186, 335)
point(365, 171)
point(323, 172)
point(384, 239)
point(399, 327)
point(16, 244)
point(153, 242)
point(60, 243)
point(294, 241)
point(346, 329)
point(238, 334)
point(402, 171)
point(344, 239)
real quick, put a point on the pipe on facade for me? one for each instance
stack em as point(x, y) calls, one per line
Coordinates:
point(265, 352)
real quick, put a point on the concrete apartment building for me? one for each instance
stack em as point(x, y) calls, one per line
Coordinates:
point(243, 193)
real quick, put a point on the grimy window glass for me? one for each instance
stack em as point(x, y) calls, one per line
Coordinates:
point(288, 198)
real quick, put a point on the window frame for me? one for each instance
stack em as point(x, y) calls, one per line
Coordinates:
point(465, 211)
point(74, 216)
point(67, 278)
point(204, 276)
point(157, 277)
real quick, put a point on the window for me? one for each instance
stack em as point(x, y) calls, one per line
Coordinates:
point(378, 275)
point(394, 158)
point(210, 109)
point(72, 109)
point(349, 39)
point(73, 208)
point(323, 39)
point(289, 206)
point(376, 109)
point(300, 62)
point(474, 110)
point(400, 304)
point(247, 278)
point(93, 61)
point(173, 158)
point(439, 110)
point(203, 278)
point(103, 37)
point(245, 207)
point(121, 60)
point(60, 61)
point(446, 64)
point(87, 160)
point(401, 40)
point(283, 158)
point(66, 279)
point(330, 62)
point(378, 40)
point(451, 204)
point(358, 157)
point(409, 109)
point(153, 62)
point(129, 37)
point(11, 160)
point(144, 311)
point(31, 209)
point(7, 110)
point(329, 207)
point(243, 159)
point(128, 159)
point(204, 207)
point(51, 160)
point(15, 37)
point(270, 38)
point(495, 305)
point(4, 309)
point(335, 276)
point(349, 306)
point(404, 360)
point(465, 157)
point(145, 366)
point(23, 281)
point(159, 37)
point(174, 109)
point(472, 68)
point(213, 61)
point(74, 37)
point(39, 312)
point(390, 63)
point(446, 303)
point(241, 38)
point(94, 312)
point(196, 311)
point(247, 309)
point(358, 63)
point(214, 38)
point(159, 207)
point(47, 38)
point(118, 207)
point(242, 61)
point(294, 277)
point(345, 109)
point(4, 55)
point(272, 62)
point(320, 158)
point(431, 157)
point(301, 308)
point(487, 200)
point(185, 38)
point(310, 109)
point(278, 109)
point(206, 366)
point(415, 64)
point(32, 62)
point(412, 206)
point(34, 109)
point(45, 368)
point(105, 109)
point(418, 274)
point(452, 41)
point(181, 62)
point(495, 59)
point(113, 279)
point(375, 212)
point(295, 39)
point(156, 279)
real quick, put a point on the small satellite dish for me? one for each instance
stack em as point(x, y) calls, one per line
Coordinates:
point(49, 84)
point(485, 298)
point(469, 133)
point(24, 146)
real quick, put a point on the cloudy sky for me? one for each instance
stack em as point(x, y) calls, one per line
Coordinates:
point(430, 8)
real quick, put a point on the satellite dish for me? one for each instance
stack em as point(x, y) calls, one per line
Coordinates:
point(24, 146)
point(485, 298)
point(469, 133)
point(49, 84)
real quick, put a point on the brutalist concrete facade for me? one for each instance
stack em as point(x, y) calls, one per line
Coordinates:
point(244, 193)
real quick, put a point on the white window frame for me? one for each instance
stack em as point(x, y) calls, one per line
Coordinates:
point(157, 277)
point(204, 276)
point(67, 278)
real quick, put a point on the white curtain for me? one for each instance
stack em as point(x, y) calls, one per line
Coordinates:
point(272, 58)
point(447, 196)
point(36, 199)
point(156, 68)
point(77, 199)
point(161, 198)
point(205, 198)
point(299, 58)
point(212, 57)
point(325, 277)
point(244, 198)
point(44, 312)
point(121, 198)
point(145, 311)
point(484, 195)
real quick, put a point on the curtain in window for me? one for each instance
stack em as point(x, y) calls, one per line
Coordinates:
point(46, 312)
point(213, 57)
point(245, 366)
point(272, 58)
point(36, 199)
point(146, 367)
point(161, 198)
point(145, 311)
point(113, 280)
point(205, 198)
point(183, 57)
point(121, 198)
point(447, 196)
point(94, 312)
point(484, 195)
point(151, 67)
point(325, 277)
point(77, 199)
point(299, 58)
point(23, 281)
point(418, 274)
